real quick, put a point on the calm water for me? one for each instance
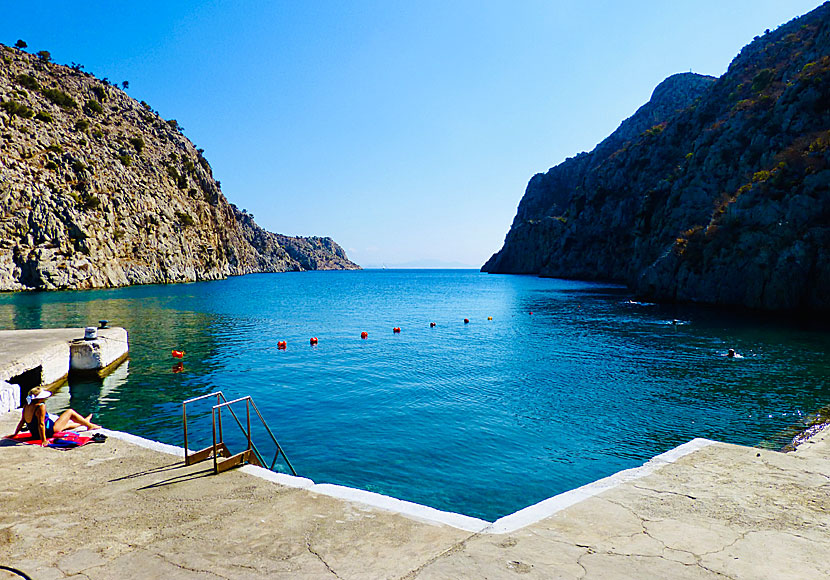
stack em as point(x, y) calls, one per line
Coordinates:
point(481, 418)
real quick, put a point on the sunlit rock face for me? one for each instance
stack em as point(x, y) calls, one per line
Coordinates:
point(97, 190)
point(715, 191)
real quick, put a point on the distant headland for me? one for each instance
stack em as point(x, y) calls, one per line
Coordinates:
point(715, 191)
point(97, 190)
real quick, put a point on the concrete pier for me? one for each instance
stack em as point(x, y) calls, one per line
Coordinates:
point(46, 356)
point(129, 508)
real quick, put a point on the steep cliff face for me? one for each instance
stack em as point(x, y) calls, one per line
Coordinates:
point(97, 190)
point(715, 191)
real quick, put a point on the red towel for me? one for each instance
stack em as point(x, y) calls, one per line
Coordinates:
point(63, 435)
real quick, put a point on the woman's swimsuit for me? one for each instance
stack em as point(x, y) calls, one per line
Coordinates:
point(48, 424)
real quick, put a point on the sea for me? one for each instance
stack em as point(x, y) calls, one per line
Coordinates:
point(522, 389)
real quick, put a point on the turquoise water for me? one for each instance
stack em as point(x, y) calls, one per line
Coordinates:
point(482, 418)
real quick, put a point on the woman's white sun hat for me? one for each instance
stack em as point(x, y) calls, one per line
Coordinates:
point(40, 395)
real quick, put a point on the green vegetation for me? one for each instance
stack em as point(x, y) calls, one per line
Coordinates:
point(43, 116)
point(98, 134)
point(655, 130)
point(78, 167)
point(99, 92)
point(184, 218)
point(21, 44)
point(125, 159)
point(90, 201)
point(51, 165)
point(81, 125)
point(137, 143)
point(16, 109)
point(93, 107)
point(60, 98)
point(44, 55)
point(28, 81)
point(55, 149)
point(762, 80)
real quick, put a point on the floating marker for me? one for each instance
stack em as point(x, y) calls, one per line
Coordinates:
point(466, 321)
point(282, 345)
point(432, 325)
point(489, 318)
point(178, 353)
point(364, 335)
point(178, 368)
point(313, 340)
point(396, 330)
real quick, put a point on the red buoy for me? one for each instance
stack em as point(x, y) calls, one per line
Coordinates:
point(282, 345)
point(364, 335)
point(432, 325)
point(531, 312)
point(466, 321)
point(313, 340)
point(396, 329)
point(178, 354)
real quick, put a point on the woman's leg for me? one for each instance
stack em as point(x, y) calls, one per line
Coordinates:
point(71, 416)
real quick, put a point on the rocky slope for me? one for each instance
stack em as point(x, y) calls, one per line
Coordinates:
point(97, 190)
point(716, 191)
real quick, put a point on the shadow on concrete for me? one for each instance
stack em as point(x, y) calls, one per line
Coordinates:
point(180, 479)
point(159, 469)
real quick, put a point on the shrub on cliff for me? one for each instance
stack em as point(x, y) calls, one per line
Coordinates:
point(137, 143)
point(17, 109)
point(28, 81)
point(60, 98)
point(93, 107)
point(81, 125)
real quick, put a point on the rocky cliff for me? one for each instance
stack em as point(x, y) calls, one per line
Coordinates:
point(715, 191)
point(97, 190)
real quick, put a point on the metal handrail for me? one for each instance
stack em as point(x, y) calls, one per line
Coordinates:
point(251, 444)
point(216, 411)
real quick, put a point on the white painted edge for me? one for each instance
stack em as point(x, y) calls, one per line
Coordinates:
point(409, 509)
point(552, 505)
point(426, 514)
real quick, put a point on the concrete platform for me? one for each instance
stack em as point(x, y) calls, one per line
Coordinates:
point(123, 510)
point(50, 354)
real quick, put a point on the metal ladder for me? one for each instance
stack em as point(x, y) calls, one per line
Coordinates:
point(250, 455)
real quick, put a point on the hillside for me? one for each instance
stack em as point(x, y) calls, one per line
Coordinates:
point(716, 191)
point(97, 190)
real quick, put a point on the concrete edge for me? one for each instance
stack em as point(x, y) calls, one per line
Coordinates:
point(552, 505)
point(426, 514)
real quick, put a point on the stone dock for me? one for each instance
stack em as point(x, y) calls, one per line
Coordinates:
point(29, 358)
point(130, 508)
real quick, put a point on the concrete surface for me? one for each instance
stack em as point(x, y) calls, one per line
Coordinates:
point(121, 510)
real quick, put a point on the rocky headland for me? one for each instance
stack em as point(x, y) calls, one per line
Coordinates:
point(97, 190)
point(715, 191)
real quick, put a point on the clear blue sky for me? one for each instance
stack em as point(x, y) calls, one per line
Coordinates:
point(404, 130)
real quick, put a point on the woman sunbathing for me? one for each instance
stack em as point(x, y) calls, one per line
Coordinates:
point(44, 425)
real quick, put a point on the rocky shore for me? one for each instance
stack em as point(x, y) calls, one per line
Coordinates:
point(715, 191)
point(97, 190)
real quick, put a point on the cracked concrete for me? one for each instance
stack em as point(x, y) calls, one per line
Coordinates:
point(119, 510)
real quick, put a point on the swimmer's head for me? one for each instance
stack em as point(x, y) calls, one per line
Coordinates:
point(731, 352)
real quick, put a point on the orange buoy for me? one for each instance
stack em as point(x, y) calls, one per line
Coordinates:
point(466, 321)
point(397, 329)
point(364, 335)
point(282, 345)
point(531, 312)
point(432, 325)
point(178, 354)
point(489, 318)
point(313, 340)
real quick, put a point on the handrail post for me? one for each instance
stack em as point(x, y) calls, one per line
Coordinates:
point(221, 434)
point(248, 413)
point(215, 464)
point(184, 421)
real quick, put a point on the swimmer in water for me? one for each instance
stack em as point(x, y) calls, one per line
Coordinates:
point(731, 353)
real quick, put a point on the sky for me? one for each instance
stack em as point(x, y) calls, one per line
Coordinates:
point(407, 131)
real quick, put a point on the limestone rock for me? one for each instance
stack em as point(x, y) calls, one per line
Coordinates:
point(97, 190)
